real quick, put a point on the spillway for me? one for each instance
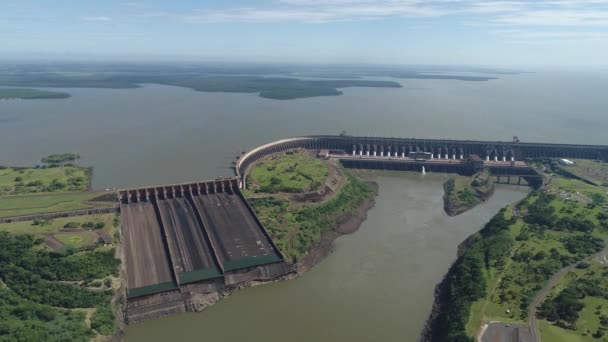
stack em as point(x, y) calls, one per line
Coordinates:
point(148, 268)
point(192, 254)
point(240, 240)
point(191, 238)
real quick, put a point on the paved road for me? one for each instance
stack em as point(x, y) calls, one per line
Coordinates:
point(540, 297)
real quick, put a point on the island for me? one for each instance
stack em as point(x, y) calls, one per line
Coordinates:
point(276, 88)
point(30, 94)
point(462, 193)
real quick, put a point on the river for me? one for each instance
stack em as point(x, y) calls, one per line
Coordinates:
point(378, 284)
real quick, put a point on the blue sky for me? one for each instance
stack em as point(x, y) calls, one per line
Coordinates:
point(537, 32)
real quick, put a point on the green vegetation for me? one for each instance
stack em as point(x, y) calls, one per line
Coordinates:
point(591, 170)
point(291, 173)
point(70, 233)
point(49, 203)
point(505, 265)
point(87, 222)
point(103, 320)
point(60, 158)
point(272, 88)
point(24, 320)
point(463, 193)
point(75, 240)
point(19, 181)
point(37, 296)
point(577, 308)
point(295, 228)
point(30, 94)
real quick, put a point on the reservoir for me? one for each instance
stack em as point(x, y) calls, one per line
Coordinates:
point(378, 284)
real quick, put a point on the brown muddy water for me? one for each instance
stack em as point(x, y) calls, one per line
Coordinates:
point(376, 286)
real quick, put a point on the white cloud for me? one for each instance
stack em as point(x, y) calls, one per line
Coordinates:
point(489, 13)
point(97, 18)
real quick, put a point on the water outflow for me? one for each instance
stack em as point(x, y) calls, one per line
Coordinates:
point(423, 170)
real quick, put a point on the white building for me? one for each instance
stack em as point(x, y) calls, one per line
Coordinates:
point(566, 162)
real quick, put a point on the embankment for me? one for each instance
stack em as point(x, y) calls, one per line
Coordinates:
point(441, 302)
point(348, 223)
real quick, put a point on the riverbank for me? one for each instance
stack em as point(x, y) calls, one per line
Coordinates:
point(348, 224)
point(501, 269)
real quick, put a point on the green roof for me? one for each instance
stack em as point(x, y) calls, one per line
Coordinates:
point(249, 262)
point(151, 289)
point(198, 275)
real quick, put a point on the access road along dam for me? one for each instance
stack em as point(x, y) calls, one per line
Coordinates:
point(185, 245)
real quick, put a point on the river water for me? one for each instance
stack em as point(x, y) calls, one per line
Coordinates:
point(378, 284)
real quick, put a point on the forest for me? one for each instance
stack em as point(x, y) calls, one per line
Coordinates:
point(39, 287)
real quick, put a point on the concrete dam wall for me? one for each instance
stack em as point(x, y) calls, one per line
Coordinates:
point(190, 239)
point(395, 150)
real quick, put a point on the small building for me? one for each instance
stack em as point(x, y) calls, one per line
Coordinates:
point(566, 162)
point(323, 154)
point(474, 163)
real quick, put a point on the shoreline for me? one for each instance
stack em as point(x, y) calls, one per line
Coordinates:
point(440, 291)
point(349, 224)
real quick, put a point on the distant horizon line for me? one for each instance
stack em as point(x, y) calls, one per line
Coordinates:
point(212, 62)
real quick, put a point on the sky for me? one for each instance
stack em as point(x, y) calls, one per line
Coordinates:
point(471, 32)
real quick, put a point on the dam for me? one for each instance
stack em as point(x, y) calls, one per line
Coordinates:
point(184, 242)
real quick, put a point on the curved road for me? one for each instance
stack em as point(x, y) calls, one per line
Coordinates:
point(542, 294)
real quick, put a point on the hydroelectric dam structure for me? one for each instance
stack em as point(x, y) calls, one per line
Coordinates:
point(184, 242)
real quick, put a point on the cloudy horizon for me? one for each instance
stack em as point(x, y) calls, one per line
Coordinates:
point(541, 32)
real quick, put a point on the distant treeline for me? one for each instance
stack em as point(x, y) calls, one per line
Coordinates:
point(236, 78)
point(30, 94)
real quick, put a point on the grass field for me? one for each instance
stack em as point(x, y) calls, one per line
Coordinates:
point(291, 173)
point(52, 226)
point(48, 203)
point(14, 181)
point(592, 170)
point(75, 240)
point(82, 233)
point(589, 317)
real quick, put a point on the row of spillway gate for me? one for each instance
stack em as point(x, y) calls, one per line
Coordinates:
point(188, 233)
